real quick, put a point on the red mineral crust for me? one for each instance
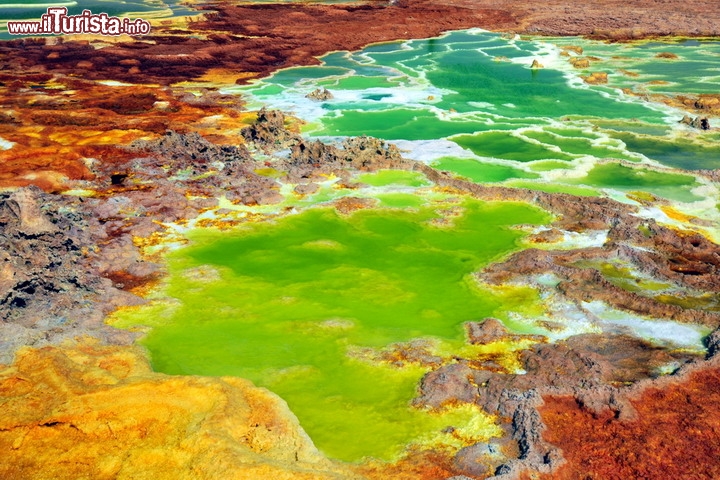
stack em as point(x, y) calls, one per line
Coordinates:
point(60, 126)
point(675, 433)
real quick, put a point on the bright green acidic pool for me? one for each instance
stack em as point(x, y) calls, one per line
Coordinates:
point(298, 300)
point(306, 305)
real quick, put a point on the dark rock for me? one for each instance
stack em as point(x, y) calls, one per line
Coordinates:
point(600, 399)
point(314, 159)
point(49, 289)
point(479, 459)
point(701, 123)
point(187, 151)
point(713, 343)
point(448, 384)
point(269, 130)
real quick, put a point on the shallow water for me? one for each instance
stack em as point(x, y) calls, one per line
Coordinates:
point(311, 305)
point(303, 305)
point(477, 90)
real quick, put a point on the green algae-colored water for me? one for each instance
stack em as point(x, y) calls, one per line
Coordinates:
point(670, 185)
point(309, 304)
point(297, 302)
point(384, 178)
point(472, 94)
point(481, 172)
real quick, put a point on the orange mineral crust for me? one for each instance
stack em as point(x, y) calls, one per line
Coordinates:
point(674, 434)
point(87, 411)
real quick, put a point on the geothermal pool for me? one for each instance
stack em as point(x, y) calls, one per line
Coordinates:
point(315, 305)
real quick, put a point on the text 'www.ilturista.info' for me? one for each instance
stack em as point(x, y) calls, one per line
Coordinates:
point(57, 22)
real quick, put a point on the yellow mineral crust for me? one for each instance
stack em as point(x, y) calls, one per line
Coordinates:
point(96, 412)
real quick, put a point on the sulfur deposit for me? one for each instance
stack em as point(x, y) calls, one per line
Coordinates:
point(90, 411)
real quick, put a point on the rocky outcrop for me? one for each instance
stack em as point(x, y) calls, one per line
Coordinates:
point(491, 330)
point(713, 343)
point(40, 250)
point(320, 95)
point(588, 367)
point(313, 160)
point(88, 411)
point(49, 289)
point(596, 78)
point(268, 131)
point(189, 153)
point(582, 361)
point(701, 123)
point(177, 164)
point(704, 104)
point(578, 62)
point(358, 153)
point(306, 188)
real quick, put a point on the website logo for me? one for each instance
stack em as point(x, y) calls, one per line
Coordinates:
point(57, 22)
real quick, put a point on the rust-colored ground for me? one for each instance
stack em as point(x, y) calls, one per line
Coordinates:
point(676, 433)
point(249, 41)
point(237, 43)
point(60, 124)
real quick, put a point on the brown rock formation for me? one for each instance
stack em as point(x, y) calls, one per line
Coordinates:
point(320, 95)
point(582, 361)
point(269, 131)
point(704, 104)
point(596, 78)
point(491, 330)
point(673, 434)
point(49, 289)
point(100, 412)
point(310, 159)
point(701, 123)
point(578, 62)
point(584, 367)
